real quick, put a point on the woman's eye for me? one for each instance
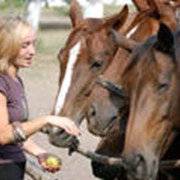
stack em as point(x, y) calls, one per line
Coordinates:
point(24, 46)
point(96, 65)
point(29, 43)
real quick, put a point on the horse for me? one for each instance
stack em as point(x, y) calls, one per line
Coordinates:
point(87, 53)
point(105, 105)
point(152, 83)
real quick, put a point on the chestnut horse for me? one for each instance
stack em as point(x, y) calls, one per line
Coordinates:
point(154, 116)
point(87, 53)
point(152, 81)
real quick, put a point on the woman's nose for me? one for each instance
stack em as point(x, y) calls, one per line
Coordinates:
point(32, 50)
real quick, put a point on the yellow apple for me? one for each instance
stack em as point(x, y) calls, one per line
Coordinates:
point(53, 161)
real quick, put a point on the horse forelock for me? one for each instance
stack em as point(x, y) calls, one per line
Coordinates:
point(66, 82)
point(86, 27)
point(89, 25)
point(139, 52)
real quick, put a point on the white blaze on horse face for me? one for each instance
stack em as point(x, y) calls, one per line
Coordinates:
point(73, 55)
point(128, 35)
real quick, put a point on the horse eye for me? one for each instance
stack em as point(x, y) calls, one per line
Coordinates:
point(163, 87)
point(96, 65)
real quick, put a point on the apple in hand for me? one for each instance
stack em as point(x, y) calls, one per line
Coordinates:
point(53, 161)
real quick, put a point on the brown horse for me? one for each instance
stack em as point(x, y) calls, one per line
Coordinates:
point(87, 53)
point(154, 117)
point(105, 104)
point(152, 83)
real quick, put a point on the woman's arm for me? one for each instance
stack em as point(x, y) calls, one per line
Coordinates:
point(6, 135)
point(30, 127)
point(32, 148)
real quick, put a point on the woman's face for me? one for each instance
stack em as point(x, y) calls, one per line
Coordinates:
point(27, 51)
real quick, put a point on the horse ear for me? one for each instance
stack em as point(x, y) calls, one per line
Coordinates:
point(117, 21)
point(165, 39)
point(140, 5)
point(75, 13)
point(124, 42)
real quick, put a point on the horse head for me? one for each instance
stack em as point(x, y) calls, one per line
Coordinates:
point(152, 83)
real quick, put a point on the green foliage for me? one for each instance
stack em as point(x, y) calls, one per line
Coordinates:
point(68, 1)
point(12, 3)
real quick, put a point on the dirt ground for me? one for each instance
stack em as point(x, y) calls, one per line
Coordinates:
point(41, 85)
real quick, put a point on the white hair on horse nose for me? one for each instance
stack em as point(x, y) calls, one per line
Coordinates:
point(73, 55)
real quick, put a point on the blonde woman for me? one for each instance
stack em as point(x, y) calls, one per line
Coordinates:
point(17, 49)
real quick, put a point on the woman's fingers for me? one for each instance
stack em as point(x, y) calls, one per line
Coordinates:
point(67, 124)
point(72, 129)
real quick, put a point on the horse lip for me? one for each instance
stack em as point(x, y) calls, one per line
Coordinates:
point(60, 137)
point(61, 140)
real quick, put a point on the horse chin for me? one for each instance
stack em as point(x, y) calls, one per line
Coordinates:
point(102, 131)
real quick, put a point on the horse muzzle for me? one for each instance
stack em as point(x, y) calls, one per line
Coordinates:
point(138, 169)
point(60, 138)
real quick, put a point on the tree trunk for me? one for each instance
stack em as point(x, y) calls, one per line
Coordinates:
point(33, 12)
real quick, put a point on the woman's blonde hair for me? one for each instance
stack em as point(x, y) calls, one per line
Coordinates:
point(12, 31)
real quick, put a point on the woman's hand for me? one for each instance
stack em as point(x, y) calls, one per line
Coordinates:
point(62, 122)
point(49, 162)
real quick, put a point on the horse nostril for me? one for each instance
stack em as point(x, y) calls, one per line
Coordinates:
point(139, 166)
point(139, 160)
point(91, 112)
